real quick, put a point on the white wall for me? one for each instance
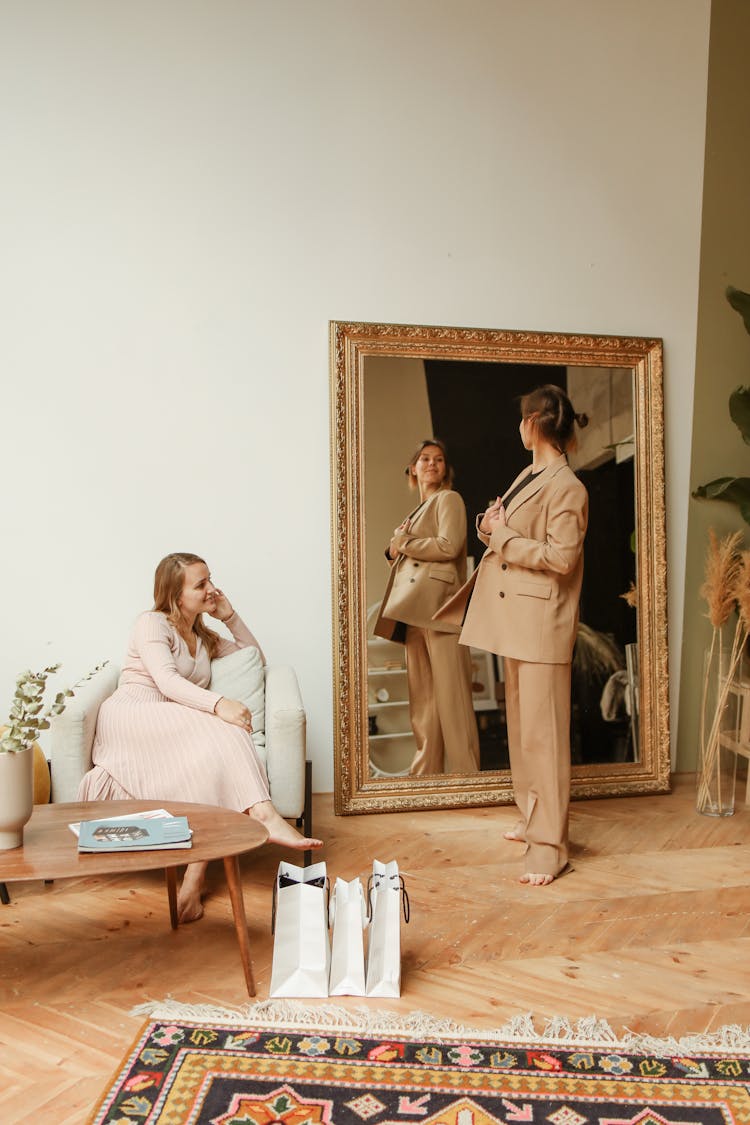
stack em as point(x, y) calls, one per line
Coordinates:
point(192, 190)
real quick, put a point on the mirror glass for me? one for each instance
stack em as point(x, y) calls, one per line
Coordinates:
point(395, 386)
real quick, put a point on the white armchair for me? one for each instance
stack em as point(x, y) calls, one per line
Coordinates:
point(273, 696)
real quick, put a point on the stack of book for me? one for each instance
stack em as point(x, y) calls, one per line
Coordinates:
point(134, 833)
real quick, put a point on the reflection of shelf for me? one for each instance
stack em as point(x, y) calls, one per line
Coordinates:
point(386, 671)
point(375, 772)
point(390, 703)
point(391, 755)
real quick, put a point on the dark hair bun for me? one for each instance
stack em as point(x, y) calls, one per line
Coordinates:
point(582, 420)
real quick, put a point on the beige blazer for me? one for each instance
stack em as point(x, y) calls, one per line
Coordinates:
point(523, 597)
point(430, 568)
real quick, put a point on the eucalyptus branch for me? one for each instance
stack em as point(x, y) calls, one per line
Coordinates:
point(27, 714)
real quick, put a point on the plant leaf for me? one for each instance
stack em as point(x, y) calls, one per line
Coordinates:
point(739, 410)
point(735, 490)
point(740, 302)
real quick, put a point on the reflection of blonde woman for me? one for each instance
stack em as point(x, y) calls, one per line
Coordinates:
point(427, 555)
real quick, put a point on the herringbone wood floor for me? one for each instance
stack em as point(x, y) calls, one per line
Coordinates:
point(651, 931)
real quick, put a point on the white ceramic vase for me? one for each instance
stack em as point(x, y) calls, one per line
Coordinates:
point(16, 796)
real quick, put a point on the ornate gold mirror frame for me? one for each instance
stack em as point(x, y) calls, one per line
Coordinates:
point(356, 790)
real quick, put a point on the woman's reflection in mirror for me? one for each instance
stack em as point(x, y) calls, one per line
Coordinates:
point(427, 559)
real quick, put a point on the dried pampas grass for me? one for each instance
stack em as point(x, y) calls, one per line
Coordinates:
point(631, 596)
point(723, 564)
point(596, 655)
point(726, 588)
point(742, 590)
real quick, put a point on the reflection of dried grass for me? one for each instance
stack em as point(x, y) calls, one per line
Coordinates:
point(723, 563)
point(631, 596)
point(596, 655)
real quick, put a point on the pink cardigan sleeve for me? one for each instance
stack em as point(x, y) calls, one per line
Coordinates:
point(151, 639)
point(243, 638)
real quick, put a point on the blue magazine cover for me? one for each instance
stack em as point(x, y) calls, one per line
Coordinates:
point(134, 834)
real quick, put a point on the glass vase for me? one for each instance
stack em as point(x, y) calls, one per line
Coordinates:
point(717, 761)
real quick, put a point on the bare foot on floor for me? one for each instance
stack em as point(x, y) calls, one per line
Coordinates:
point(190, 894)
point(516, 833)
point(280, 831)
point(535, 879)
point(189, 906)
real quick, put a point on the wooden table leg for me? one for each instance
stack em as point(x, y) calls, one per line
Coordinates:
point(232, 870)
point(171, 874)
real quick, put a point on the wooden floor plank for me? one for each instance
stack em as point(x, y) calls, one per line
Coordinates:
point(650, 930)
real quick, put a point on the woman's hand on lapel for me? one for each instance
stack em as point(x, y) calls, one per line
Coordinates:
point(393, 550)
point(493, 516)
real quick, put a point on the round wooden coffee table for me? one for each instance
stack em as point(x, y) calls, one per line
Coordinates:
point(50, 851)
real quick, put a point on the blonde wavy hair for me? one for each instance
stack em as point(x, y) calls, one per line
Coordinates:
point(447, 483)
point(169, 582)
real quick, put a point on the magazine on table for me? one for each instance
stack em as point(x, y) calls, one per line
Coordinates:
point(134, 833)
point(146, 814)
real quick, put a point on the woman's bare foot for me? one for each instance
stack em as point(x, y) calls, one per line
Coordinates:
point(516, 833)
point(189, 896)
point(535, 879)
point(280, 831)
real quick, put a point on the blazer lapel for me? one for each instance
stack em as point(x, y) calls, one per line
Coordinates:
point(421, 511)
point(538, 482)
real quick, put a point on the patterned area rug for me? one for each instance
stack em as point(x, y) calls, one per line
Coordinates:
point(213, 1073)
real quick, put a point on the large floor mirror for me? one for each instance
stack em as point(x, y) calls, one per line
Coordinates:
point(393, 386)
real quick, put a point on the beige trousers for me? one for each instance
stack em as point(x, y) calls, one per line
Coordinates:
point(438, 672)
point(537, 701)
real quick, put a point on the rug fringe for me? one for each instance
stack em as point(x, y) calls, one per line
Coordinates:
point(589, 1031)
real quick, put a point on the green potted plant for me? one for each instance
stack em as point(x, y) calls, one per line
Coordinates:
point(735, 490)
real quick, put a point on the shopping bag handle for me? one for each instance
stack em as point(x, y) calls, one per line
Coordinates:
point(404, 898)
point(286, 881)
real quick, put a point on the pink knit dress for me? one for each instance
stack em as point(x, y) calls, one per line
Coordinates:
point(157, 737)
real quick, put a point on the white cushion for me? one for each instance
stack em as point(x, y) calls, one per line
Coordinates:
point(241, 675)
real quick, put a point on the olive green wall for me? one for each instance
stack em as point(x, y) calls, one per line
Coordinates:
point(723, 346)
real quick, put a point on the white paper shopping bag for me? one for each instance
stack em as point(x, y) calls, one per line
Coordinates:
point(348, 918)
point(385, 892)
point(301, 949)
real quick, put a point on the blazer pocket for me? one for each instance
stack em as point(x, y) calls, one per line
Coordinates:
point(535, 589)
point(444, 572)
point(525, 518)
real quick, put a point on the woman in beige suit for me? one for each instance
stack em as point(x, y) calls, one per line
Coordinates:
point(523, 605)
point(427, 556)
